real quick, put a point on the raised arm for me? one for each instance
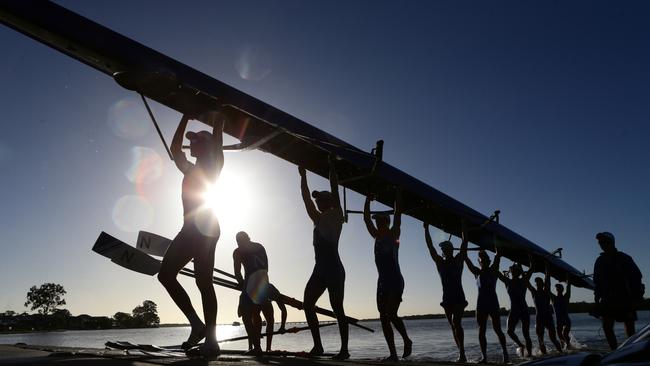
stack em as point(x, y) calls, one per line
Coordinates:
point(236, 259)
point(497, 260)
point(567, 293)
point(463, 245)
point(397, 215)
point(547, 279)
point(306, 197)
point(334, 182)
point(367, 219)
point(176, 147)
point(472, 268)
point(217, 137)
point(432, 250)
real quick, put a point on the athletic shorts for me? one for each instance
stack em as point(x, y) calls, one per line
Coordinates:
point(389, 293)
point(519, 314)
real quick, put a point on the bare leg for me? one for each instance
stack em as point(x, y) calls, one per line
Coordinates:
point(525, 329)
point(608, 329)
point(496, 325)
point(551, 335)
point(203, 265)
point(481, 318)
point(512, 325)
point(267, 310)
point(336, 294)
point(388, 335)
point(566, 331)
point(539, 329)
point(247, 319)
point(399, 326)
point(629, 328)
point(177, 256)
point(313, 291)
point(457, 318)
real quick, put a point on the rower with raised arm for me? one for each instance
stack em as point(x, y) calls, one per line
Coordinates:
point(450, 269)
point(390, 283)
point(487, 304)
point(198, 237)
point(561, 300)
point(544, 312)
point(328, 273)
point(517, 286)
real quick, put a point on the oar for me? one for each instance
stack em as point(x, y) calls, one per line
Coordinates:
point(157, 245)
point(290, 330)
point(136, 260)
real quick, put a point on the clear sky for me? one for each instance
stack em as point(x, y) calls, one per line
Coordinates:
point(539, 109)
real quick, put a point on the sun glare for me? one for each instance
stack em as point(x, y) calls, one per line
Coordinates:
point(230, 200)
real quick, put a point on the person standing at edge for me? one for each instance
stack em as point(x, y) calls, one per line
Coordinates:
point(618, 288)
point(543, 310)
point(390, 284)
point(450, 269)
point(517, 285)
point(200, 232)
point(328, 273)
point(487, 304)
point(560, 302)
point(254, 285)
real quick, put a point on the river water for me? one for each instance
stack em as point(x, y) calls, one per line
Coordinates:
point(432, 339)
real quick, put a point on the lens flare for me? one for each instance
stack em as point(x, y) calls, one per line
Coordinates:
point(132, 213)
point(146, 167)
point(257, 286)
point(252, 64)
point(128, 119)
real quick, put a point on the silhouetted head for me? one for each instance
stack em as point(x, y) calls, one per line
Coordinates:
point(606, 241)
point(324, 200)
point(516, 270)
point(539, 283)
point(483, 259)
point(382, 220)
point(447, 249)
point(200, 143)
point(559, 289)
point(242, 238)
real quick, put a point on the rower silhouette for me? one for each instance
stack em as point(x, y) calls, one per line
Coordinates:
point(487, 304)
point(517, 286)
point(450, 269)
point(198, 237)
point(390, 284)
point(257, 292)
point(543, 311)
point(328, 273)
point(561, 302)
point(618, 290)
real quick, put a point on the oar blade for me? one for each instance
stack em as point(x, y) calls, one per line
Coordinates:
point(152, 244)
point(125, 255)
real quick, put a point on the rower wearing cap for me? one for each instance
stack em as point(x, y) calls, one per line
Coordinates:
point(328, 273)
point(198, 237)
point(390, 284)
point(450, 269)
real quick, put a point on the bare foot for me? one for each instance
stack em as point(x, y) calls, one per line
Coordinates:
point(483, 359)
point(461, 358)
point(315, 352)
point(506, 358)
point(197, 334)
point(342, 355)
point(391, 358)
point(408, 348)
point(206, 351)
point(254, 352)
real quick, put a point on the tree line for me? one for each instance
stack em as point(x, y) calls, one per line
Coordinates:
point(46, 301)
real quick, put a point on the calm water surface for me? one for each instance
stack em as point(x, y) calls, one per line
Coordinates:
point(432, 339)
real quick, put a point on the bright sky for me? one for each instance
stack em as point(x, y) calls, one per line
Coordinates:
point(539, 109)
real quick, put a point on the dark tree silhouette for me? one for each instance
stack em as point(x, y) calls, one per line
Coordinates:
point(123, 320)
point(45, 298)
point(146, 315)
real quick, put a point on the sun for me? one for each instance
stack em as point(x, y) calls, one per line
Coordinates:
point(230, 199)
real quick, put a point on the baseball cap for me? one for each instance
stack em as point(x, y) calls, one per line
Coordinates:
point(321, 195)
point(605, 235)
point(198, 136)
point(446, 244)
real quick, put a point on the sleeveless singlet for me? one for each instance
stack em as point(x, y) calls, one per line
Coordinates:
point(451, 271)
point(387, 262)
point(487, 293)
